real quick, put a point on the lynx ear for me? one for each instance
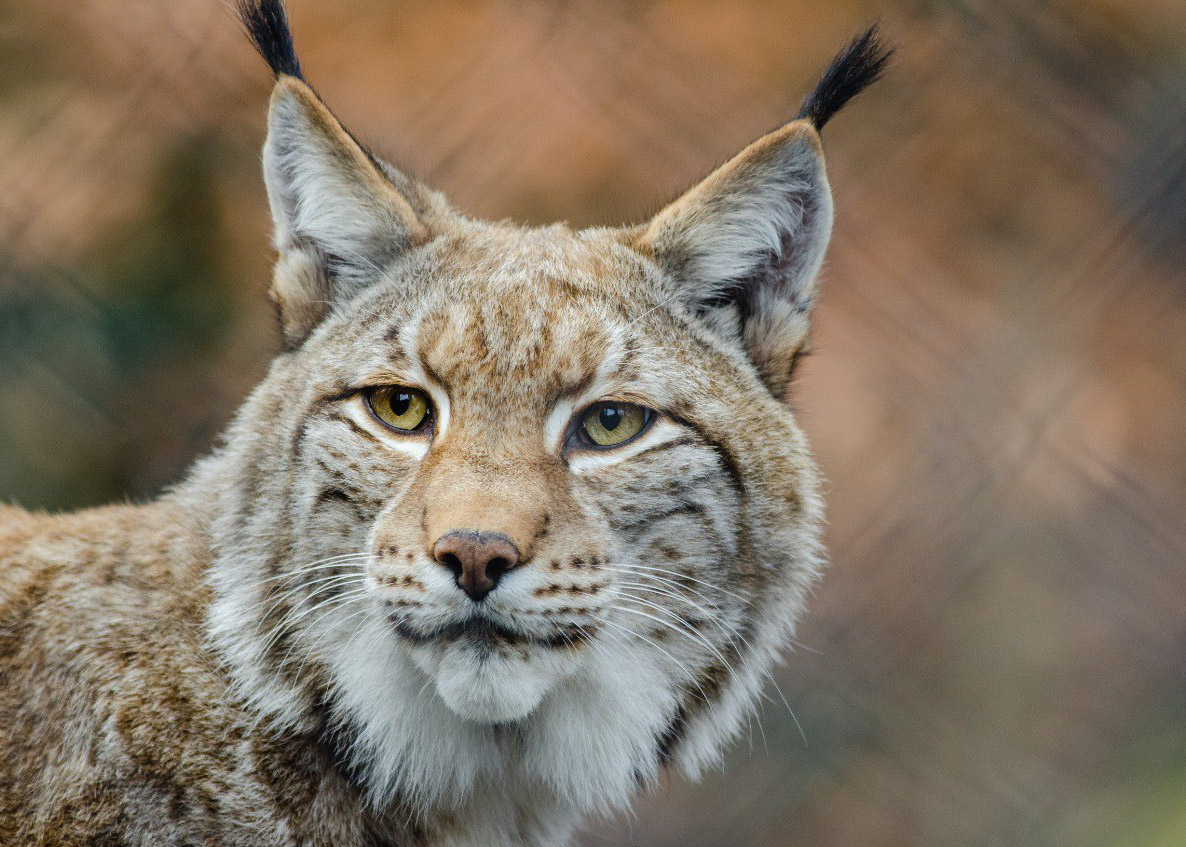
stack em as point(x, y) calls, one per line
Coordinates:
point(745, 245)
point(339, 220)
point(340, 214)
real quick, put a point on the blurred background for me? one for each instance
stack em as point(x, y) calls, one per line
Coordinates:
point(997, 655)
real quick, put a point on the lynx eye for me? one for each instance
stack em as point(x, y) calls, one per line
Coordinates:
point(611, 424)
point(402, 409)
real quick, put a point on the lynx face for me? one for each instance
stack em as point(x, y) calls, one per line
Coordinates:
point(520, 511)
point(503, 544)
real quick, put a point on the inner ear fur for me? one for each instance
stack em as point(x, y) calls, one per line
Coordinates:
point(301, 292)
point(744, 246)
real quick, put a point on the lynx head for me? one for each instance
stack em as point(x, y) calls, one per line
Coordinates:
point(521, 505)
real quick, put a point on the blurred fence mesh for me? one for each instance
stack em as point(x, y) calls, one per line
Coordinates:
point(998, 395)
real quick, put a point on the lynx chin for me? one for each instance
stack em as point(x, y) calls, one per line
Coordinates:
point(518, 518)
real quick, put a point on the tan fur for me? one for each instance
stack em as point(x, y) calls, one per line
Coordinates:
point(269, 654)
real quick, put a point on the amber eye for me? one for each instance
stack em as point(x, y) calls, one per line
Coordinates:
point(402, 409)
point(611, 424)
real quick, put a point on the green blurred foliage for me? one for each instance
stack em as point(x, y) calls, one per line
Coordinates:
point(153, 298)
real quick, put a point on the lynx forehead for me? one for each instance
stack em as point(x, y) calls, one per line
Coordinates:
point(518, 518)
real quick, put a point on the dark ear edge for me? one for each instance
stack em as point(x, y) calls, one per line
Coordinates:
point(854, 69)
point(266, 24)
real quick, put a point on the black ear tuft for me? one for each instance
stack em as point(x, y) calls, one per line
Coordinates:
point(854, 69)
point(266, 23)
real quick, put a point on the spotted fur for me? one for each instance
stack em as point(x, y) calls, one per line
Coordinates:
point(270, 654)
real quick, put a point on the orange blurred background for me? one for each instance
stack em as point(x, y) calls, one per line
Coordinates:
point(997, 655)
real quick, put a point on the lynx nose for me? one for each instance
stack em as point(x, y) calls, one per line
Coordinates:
point(478, 559)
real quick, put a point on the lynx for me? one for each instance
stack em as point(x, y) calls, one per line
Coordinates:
point(518, 518)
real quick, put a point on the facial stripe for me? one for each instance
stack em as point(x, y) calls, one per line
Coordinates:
point(728, 461)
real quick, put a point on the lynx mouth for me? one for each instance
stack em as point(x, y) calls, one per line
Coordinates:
point(484, 633)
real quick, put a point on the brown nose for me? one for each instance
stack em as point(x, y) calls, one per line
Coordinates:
point(478, 559)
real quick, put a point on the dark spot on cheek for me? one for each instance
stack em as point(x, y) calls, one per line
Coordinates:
point(334, 495)
point(390, 580)
point(543, 530)
point(402, 603)
point(577, 590)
